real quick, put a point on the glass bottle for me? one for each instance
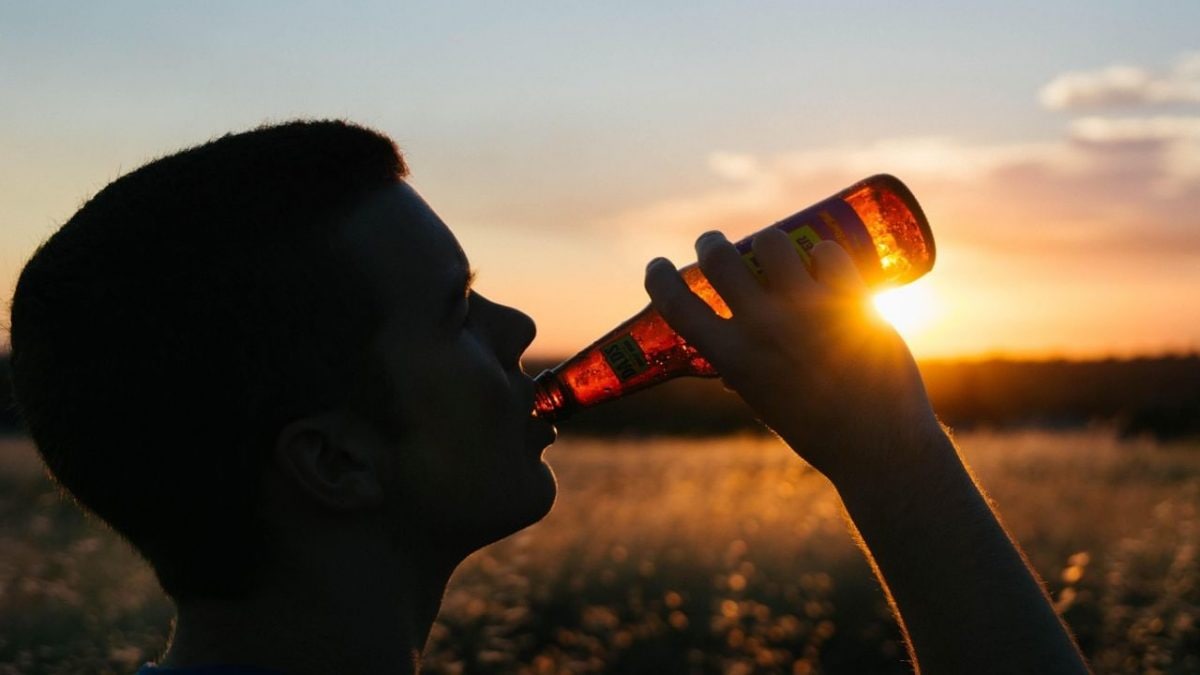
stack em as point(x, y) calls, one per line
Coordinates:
point(877, 220)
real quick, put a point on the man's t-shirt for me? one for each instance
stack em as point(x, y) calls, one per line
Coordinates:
point(151, 669)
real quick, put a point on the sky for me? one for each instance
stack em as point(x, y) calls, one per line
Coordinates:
point(1055, 146)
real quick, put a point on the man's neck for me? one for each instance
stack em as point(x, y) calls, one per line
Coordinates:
point(352, 620)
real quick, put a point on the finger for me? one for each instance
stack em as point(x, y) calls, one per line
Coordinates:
point(726, 271)
point(833, 267)
point(685, 313)
point(784, 268)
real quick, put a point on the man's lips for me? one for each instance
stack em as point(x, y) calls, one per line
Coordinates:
point(545, 432)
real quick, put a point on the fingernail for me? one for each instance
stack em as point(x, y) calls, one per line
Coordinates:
point(657, 261)
point(711, 234)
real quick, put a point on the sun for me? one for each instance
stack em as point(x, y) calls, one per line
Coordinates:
point(910, 309)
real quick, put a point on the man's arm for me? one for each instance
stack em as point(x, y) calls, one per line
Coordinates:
point(841, 388)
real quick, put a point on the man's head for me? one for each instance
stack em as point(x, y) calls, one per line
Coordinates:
point(461, 452)
point(175, 340)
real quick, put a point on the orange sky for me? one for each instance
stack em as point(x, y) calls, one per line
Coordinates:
point(1058, 160)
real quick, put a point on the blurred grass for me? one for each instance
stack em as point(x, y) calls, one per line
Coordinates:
point(682, 555)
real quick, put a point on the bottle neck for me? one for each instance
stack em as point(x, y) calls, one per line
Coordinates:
point(552, 401)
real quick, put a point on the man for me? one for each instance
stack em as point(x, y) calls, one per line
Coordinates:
point(262, 361)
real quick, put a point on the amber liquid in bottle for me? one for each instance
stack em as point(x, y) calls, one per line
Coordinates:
point(876, 220)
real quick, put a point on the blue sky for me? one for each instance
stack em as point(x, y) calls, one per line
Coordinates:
point(536, 128)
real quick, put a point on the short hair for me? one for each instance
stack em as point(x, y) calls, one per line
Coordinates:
point(166, 333)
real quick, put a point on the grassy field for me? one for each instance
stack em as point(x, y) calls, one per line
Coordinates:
point(662, 556)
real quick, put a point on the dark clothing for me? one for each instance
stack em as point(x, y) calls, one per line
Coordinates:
point(151, 669)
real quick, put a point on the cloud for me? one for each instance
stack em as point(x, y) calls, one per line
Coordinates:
point(1123, 85)
point(1088, 243)
point(1136, 129)
point(1106, 185)
point(1167, 147)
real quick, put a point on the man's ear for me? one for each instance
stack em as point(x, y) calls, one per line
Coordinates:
point(328, 461)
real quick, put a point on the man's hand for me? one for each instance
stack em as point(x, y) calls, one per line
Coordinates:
point(806, 351)
point(808, 355)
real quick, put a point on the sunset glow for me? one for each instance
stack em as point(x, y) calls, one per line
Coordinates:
point(566, 146)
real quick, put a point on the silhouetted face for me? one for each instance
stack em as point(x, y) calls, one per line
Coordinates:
point(466, 465)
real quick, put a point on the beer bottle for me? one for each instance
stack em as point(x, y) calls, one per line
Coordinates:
point(876, 220)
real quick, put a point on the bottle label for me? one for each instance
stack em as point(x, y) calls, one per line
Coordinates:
point(625, 357)
point(831, 219)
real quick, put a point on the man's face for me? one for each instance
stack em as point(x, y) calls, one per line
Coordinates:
point(464, 452)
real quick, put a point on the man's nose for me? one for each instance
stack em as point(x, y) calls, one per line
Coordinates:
point(524, 331)
point(512, 330)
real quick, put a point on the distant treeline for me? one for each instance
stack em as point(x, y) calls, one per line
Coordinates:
point(1157, 396)
point(9, 420)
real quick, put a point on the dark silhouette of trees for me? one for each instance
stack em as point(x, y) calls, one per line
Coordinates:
point(9, 419)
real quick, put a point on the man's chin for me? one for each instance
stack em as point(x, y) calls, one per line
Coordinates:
point(538, 500)
point(550, 494)
point(517, 512)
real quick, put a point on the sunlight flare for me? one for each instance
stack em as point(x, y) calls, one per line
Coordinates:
point(910, 309)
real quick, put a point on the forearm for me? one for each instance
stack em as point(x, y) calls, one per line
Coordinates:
point(966, 597)
point(843, 390)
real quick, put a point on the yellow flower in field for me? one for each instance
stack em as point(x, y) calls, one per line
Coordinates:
point(729, 609)
point(678, 620)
